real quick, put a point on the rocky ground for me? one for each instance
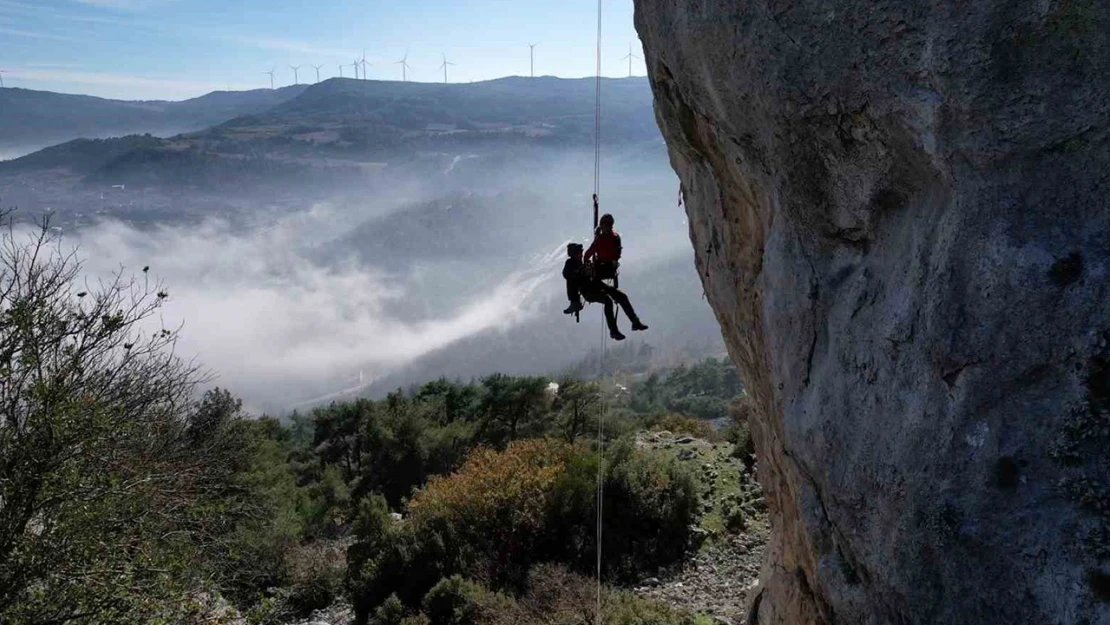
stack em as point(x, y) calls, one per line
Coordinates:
point(339, 614)
point(733, 526)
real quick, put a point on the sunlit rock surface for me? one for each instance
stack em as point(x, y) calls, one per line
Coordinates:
point(900, 217)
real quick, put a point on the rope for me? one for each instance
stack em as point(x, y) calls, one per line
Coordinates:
point(597, 117)
point(600, 470)
point(601, 411)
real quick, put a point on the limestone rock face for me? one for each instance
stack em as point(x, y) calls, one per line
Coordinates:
point(901, 219)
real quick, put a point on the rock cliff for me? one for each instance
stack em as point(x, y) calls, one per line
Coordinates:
point(900, 217)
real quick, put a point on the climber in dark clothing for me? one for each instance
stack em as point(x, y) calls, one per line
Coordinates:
point(582, 281)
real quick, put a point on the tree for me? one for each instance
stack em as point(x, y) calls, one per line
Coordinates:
point(576, 403)
point(105, 479)
point(337, 436)
point(450, 401)
point(301, 430)
point(510, 405)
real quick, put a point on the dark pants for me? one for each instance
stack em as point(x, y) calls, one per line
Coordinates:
point(601, 293)
point(572, 292)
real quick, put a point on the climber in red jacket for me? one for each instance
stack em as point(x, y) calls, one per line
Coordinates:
point(605, 251)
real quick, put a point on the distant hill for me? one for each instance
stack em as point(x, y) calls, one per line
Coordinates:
point(341, 125)
point(547, 105)
point(31, 118)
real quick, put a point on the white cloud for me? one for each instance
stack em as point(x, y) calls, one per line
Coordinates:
point(277, 327)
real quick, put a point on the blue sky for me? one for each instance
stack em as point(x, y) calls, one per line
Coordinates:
point(174, 49)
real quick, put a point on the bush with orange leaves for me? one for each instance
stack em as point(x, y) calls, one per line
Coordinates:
point(498, 501)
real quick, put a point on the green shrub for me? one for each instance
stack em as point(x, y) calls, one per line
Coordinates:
point(648, 506)
point(456, 601)
point(556, 596)
point(625, 608)
point(701, 406)
point(390, 612)
point(447, 445)
point(733, 516)
point(392, 559)
point(739, 432)
point(701, 390)
point(256, 555)
point(328, 507)
point(682, 424)
point(316, 573)
point(269, 610)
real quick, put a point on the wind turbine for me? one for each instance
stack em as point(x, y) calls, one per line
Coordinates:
point(271, 73)
point(341, 70)
point(532, 59)
point(296, 80)
point(355, 65)
point(404, 63)
point(364, 64)
point(2, 72)
point(317, 68)
point(444, 67)
point(629, 59)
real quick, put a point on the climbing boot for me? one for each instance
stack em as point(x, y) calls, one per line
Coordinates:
point(638, 327)
point(616, 335)
point(573, 308)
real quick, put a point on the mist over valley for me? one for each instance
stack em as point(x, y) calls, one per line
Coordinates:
point(357, 236)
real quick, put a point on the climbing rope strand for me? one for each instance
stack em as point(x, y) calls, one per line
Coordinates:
point(600, 469)
point(597, 108)
point(601, 372)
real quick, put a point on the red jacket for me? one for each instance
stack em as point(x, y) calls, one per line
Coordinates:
point(606, 247)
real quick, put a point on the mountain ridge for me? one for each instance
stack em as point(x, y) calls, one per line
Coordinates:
point(346, 123)
point(35, 119)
